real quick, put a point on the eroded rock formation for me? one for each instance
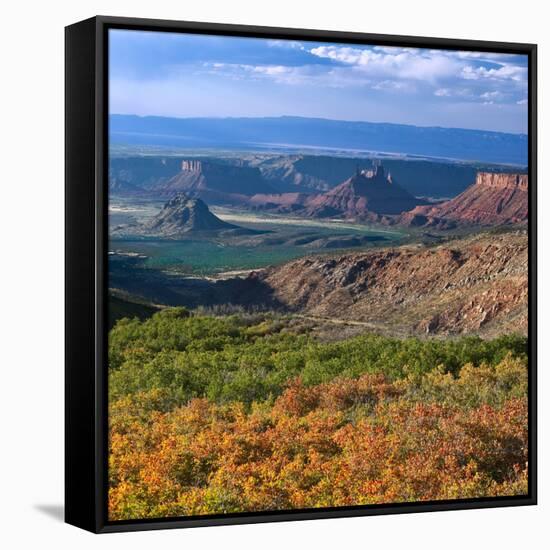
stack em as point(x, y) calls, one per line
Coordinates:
point(494, 199)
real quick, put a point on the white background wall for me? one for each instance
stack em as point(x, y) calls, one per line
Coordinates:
point(31, 272)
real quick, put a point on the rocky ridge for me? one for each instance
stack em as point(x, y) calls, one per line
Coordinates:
point(494, 199)
point(367, 192)
point(368, 195)
point(215, 182)
point(475, 285)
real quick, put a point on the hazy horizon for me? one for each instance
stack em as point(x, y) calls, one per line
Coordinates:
point(206, 76)
point(383, 122)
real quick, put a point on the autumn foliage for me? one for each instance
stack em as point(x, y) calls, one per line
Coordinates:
point(394, 433)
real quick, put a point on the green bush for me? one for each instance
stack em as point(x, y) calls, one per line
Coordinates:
point(226, 359)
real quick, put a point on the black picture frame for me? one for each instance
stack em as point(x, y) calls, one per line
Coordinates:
point(86, 171)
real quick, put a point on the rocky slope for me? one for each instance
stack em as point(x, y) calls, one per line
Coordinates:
point(136, 175)
point(494, 199)
point(221, 183)
point(366, 192)
point(183, 215)
point(290, 173)
point(367, 195)
point(283, 203)
point(476, 285)
point(319, 173)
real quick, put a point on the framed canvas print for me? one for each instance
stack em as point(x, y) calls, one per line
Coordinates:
point(300, 274)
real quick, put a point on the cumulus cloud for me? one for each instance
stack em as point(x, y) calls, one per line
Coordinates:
point(281, 74)
point(286, 44)
point(402, 63)
point(455, 92)
point(493, 96)
point(503, 72)
point(454, 80)
point(411, 63)
point(480, 56)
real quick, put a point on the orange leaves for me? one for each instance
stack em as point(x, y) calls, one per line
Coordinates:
point(215, 415)
point(343, 443)
point(340, 394)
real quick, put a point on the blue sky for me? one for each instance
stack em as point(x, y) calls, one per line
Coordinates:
point(185, 75)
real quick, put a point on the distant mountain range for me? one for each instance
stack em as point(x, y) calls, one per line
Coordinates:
point(299, 132)
point(225, 180)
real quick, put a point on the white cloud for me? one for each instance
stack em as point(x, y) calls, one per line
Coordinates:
point(504, 72)
point(501, 58)
point(286, 44)
point(392, 85)
point(521, 102)
point(451, 75)
point(393, 63)
point(455, 92)
point(273, 70)
point(394, 49)
point(283, 74)
point(492, 96)
point(240, 70)
point(432, 66)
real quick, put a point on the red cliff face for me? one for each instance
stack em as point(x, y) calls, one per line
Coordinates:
point(366, 193)
point(502, 181)
point(494, 199)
